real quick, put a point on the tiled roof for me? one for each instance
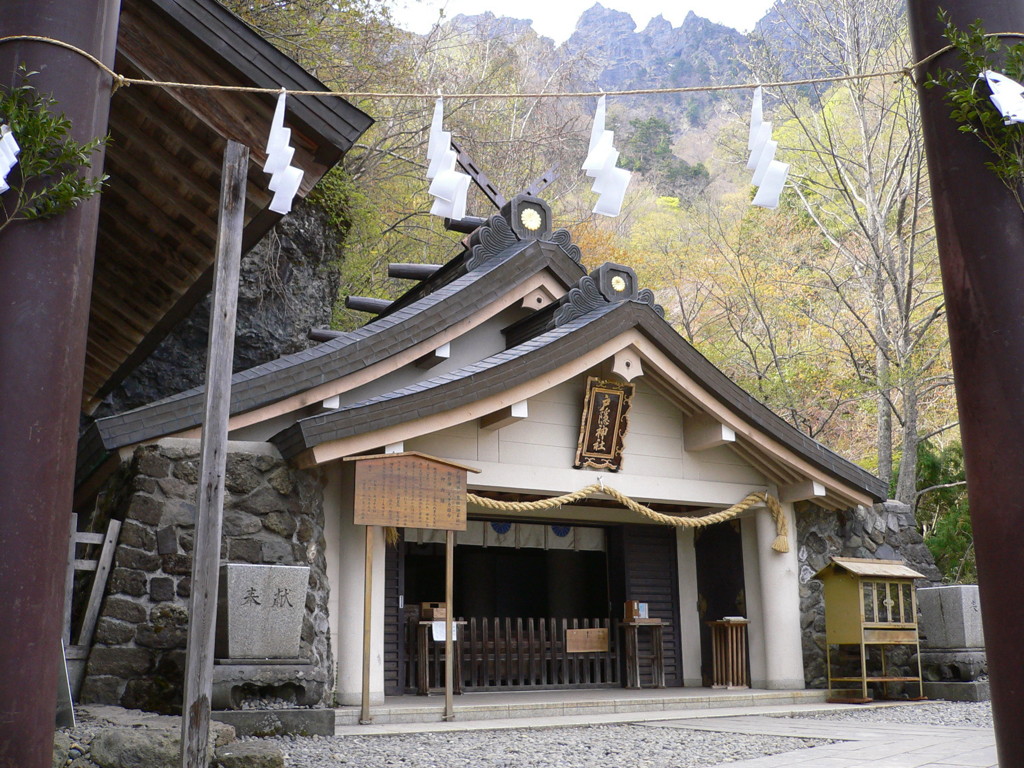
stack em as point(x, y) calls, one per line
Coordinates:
point(547, 351)
point(301, 371)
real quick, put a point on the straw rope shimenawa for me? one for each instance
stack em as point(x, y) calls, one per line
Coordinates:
point(781, 543)
point(120, 80)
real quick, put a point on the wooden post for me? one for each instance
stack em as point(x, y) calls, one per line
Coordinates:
point(979, 228)
point(449, 645)
point(195, 721)
point(45, 286)
point(364, 712)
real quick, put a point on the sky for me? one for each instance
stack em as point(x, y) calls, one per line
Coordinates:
point(557, 18)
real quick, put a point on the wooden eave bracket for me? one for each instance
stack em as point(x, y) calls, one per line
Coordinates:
point(702, 432)
point(439, 355)
point(504, 417)
point(806, 490)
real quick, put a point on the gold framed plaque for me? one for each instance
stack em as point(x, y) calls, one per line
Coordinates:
point(604, 424)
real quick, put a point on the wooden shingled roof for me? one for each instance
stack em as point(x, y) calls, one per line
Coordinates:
point(158, 215)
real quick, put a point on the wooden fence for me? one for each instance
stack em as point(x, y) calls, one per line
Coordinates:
point(516, 654)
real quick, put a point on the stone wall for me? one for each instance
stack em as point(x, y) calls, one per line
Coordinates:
point(884, 532)
point(273, 514)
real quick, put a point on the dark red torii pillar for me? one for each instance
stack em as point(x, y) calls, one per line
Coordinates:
point(45, 287)
point(980, 231)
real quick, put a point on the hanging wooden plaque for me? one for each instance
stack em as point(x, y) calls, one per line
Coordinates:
point(410, 490)
point(603, 429)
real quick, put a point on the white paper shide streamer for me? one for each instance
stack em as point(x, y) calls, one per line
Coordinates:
point(769, 174)
point(9, 150)
point(610, 182)
point(1007, 95)
point(448, 186)
point(284, 177)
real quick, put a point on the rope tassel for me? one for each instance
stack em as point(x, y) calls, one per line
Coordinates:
point(781, 543)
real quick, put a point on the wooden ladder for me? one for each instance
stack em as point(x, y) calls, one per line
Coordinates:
point(77, 654)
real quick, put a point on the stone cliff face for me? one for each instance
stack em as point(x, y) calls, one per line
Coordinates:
point(288, 284)
point(658, 56)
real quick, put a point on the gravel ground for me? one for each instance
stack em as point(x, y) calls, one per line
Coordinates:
point(956, 714)
point(604, 746)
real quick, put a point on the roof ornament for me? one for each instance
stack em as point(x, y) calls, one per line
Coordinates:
point(608, 284)
point(284, 177)
point(610, 182)
point(769, 174)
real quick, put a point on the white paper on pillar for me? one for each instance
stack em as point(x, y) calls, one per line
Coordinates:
point(458, 188)
point(285, 185)
point(756, 116)
point(771, 187)
point(560, 537)
point(9, 150)
point(438, 634)
point(277, 122)
point(446, 185)
point(530, 536)
point(279, 154)
point(589, 539)
point(764, 134)
point(444, 158)
point(767, 156)
point(473, 535)
point(438, 140)
point(1007, 95)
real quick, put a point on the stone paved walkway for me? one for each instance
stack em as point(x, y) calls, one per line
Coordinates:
point(861, 745)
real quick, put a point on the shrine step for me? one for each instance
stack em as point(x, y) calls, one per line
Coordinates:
point(471, 707)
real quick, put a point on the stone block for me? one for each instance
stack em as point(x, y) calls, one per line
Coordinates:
point(178, 512)
point(185, 587)
point(167, 541)
point(250, 754)
point(161, 589)
point(177, 564)
point(113, 632)
point(261, 611)
point(125, 610)
point(281, 481)
point(245, 550)
point(101, 689)
point(240, 476)
point(950, 617)
point(145, 508)
point(280, 523)
point(138, 536)
point(127, 581)
point(276, 550)
point(120, 662)
point(129, 557)
point(977, 690)
point(148, 461)
point(279, 722)
point(239, 523)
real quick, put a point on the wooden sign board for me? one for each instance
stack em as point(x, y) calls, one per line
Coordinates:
point(605, 420)
point(586, 640)
point(410, 490)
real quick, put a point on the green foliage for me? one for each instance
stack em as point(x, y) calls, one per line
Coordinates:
point(969, 99)
point(943, 513)
point(648, 150)
point(50, 176)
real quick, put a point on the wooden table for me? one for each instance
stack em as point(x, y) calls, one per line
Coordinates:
point(631, 632)
point(423, 662)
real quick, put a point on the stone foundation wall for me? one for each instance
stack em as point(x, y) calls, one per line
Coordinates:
point(273, 514)
point(884, 532)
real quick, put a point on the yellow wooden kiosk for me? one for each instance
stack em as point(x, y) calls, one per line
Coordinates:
point(869, 604)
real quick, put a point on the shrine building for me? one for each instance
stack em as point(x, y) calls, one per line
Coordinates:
point(545, 376)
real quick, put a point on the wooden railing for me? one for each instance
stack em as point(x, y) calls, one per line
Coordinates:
point(516, 654)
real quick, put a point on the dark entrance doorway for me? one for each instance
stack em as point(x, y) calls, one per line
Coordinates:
point(720, 589)
point(520, 605)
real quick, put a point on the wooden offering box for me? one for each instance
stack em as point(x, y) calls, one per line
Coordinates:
point(869, 605)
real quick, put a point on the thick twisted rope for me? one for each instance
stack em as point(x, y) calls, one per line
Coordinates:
point(781, 543)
